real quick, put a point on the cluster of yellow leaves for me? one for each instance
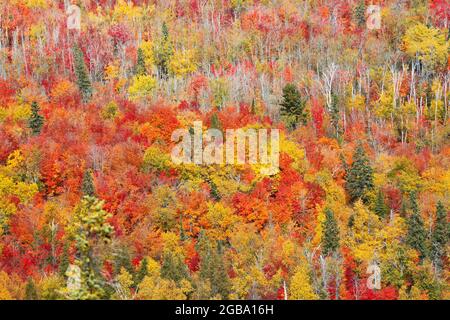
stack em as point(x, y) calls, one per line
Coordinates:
point(358, 102)
point(110, 110)
point(384, 106)
point(428, 44)
point(297, 154)
point(10, 185)
point(334, 198)
point(156, 160)
point(37, 31)
point(35, 4)
point(183, 63)
point(154, 287)
point(11, 286)
point(221, 219)
point(16, 112)
point(112, 70)
point(126, 11)
point(141, 87)
point(63, 89)
point(300, 286)
point(365, 236)
point(147, 49)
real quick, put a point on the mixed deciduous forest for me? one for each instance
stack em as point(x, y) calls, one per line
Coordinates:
point(92, 207)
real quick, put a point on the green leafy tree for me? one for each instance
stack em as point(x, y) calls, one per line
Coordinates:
point(87, 185)
point(334, 115)
point(83, 81)
point(439, 238)
point(30, 291)
point(292, 107)
point(142, 272)
point(163, 53)
point(174, 268)
point(359, 178)
point(417, 236)
point(381, 209)
point(64, 260)
point(140, 68)
point(215, 122)
point(360, 13)
point(90, 230)
point(330, 238)
point(212, 267)
point(122, 259)
point(36, 120)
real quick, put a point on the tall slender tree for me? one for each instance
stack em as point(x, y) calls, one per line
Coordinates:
point(416, 237)
point(87, 185)
point(212, 266)
point(36, 120)
point(81, 72)
point(359, 178)
point(330, 238)
point(381, 209)
point(140, 68)
point(439, 238)
point(293, 106)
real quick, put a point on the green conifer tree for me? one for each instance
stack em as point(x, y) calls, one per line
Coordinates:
point(381, 208)
point(330, 238)
point(87, 185)
point(174, 268)
point(30, 290)
point(142, 272)
point(440, 235)
point(292, 107)
point(417, 236)
point(163, 52)
point(64, 260)
point(83, 81)
point(212, 267)
point(215, 122)
point(360, 13)
point(359, 178)
point(140, 68)
point(89, 229)
point(36, 120)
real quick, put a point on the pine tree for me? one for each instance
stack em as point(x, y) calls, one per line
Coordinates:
point(334, 115)
point(83, 82)
point(359, 178)
point(330, 238)
point(416, 237)
point(380, 206)
point(293, 106)
point(439, 238)
point(89, 228)
point(174, 268)
point(36, 120)
point(212, 267)
point(122, 259)
point(140, 68)
point(142, 272)
point(30, 291)
point(87, 185)
point(215, 122)
point(64, 260)
point(163, 52)
point(360, 13)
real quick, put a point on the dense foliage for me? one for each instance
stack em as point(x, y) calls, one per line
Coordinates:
point(92, 207)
